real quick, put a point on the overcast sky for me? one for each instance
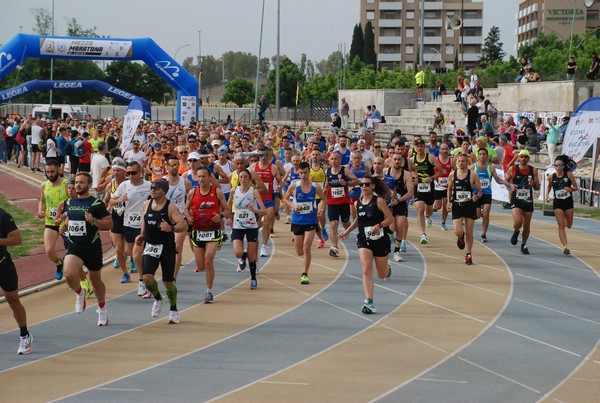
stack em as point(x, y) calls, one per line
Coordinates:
point(314, 27)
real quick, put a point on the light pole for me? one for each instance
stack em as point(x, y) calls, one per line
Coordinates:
point(178, 49)
point(199, 66)
point(262, 19)
point(277, 89)
point(51, 67)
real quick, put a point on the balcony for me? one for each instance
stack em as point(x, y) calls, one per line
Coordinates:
point(472, 22)
point(432, 40)
point(432, 58)
point(472, 40)
point(390, 23)
point(389, 57)
point(390, 40)
point(432, 23)
point(433, 5)
point(388, 5)
point(471, 57)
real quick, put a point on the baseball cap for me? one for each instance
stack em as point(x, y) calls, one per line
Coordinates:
point(118, 163)
point(524, 152)
point(482, 138)
point(162, 183)
point(361, 142)
point(157, 144)
point(194, 156)
point(419, 141)
point(135, 141)
point(223, 149)
point(452, 120)
point(215, 143)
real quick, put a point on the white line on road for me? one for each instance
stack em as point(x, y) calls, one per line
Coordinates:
point(557, 311)
point(538, 341)
point(450, 310)
point(559, 285)
point(500, 375)
point(439, 380)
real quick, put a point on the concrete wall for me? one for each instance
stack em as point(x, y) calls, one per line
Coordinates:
point(389, 102)
point(551, 96)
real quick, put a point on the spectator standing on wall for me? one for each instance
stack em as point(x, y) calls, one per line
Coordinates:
point(420, 79)
point(593, 71)
point(571, 69)
point(345, 112)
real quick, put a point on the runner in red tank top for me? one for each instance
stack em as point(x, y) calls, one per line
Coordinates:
point(441, 183)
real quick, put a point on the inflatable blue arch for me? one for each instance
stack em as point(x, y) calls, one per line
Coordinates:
point(23, 46)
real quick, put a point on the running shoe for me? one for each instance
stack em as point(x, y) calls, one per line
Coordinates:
point(125, 278)
point(141, 289)
point(460, 242)
point(253, 284)
point(209, 298)
point(304, 279)
point(468, 259)
point(174, 317)
point(25, 345)
point(403, 246)
point(325, 235)
point(157, 306)
point(567, 251)
point(198, 269)
point(389, 272)
point(483, 238)
point(80, 301)
point(428, 221)
point(320, 244)
point(515, 237)
point(424, 240)
point(277, 216)
point(102, 316)
point(147, 295)
point(241, 265)
point(524, 250)
point(116, 264)
point(397, 257)
point(368, 307)
point(87, 285)
point(334, 251)
point(264, 251)
point(444, 227)
point(59, 270)
point(288, 220)
point(225, 237)
point(132, 267)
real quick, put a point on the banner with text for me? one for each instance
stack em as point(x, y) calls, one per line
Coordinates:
point(583, 129)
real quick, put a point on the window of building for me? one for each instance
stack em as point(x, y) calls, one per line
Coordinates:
point(410, 32)
point(409, 66)
point(370, 14)
point(389, 49)
point(450, 49)
point(431, 15)
point(389, 15)
point(430, 32)
point(470, 14)
point(450, 33)
point(387, 32)
point(370, 1)
point(593, 15)
point(470, 32)
point(409, 49)
point(410, 15)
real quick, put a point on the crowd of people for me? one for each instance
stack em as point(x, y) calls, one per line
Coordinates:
point(212, 183)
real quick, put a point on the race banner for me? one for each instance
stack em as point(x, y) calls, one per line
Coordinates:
point(92, 48)
point(130, 123)
point(581, 134)
point(499, 191)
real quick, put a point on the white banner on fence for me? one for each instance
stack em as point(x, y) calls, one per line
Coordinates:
point(581, 134)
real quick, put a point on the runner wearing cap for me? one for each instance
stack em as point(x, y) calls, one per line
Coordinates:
point(162, 219)
point(522, 179)
point(428, 170)
point(156, 166)
point(136, 154)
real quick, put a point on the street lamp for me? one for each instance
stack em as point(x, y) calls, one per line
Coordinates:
point(178, 49)
point(199, 66)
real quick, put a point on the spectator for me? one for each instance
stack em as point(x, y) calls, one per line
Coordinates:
point(3, 154)
point(452, 126)
point(540, 129)
point(460, 83)
point(368, 113)
point(497, 146)
point(438, 119)
point(375, 117)
point(420, 79)
point(523, 71)
point(502, 126)
point(593, 71)
point(486, 127)
point(345, 112)
point(513, 132)
point(490, 110)
point(471, 115)
point(552, 139)
point(336, 122)
point(563, 128)
point(263, 104)
point(476, 89)
point(571, 69)
point(533, 143)
point(480, 109)
point(439, 91)
point(532, 76)
point(465, 94)
point(473, 78)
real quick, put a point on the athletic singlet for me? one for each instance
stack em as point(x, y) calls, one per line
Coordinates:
point(226, 187)
point(485, 178)
point(82, 234)
point(369, 215)
point(136, 196)
point(266, 175)
point(307, 203)
point(293, 177)
point(462, 191)
point(336, 193)
point(242, 217)
point(153, 234)
point(441, 183)
point(399, 185)
point(177, 194)
point(204, 208)
point(191, 179)
point(119, 207)
point(345, 156)
point(53, 196)
point(157, 167)
point(559, 185)
point(524, 192)
point(318, 177)
point(425, 169)
point(359, 173)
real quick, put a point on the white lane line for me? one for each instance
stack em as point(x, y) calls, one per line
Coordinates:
point(460, 259)
point(559, 285)
point(363, 316)
point(439, 380)
point(556, 400)
point(557, 311)
point(596, 362)
point(538, 341)
point(311, 263)
point(287, 383)
point(499, 375)
point(586, 379)
point(468, 285)
point(121, 389)
point(552, 262)
point(415, 339)
point(451, 310)
point(396, 263)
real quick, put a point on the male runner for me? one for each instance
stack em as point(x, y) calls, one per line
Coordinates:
point(486, 172)
point(426, 166)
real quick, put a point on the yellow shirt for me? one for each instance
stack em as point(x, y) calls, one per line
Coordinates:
point(318, 177)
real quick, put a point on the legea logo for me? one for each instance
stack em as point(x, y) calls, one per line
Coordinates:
point(166, 67)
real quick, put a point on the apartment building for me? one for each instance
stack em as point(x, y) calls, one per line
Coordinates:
point(400, 24)
point(555, 16)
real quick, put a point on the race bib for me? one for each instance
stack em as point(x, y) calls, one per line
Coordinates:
point(423, 187)
point(373, 236)
point(305, 208)
point(203, 236)
point(77, 228)
point(443, 181)
point(119, 208)
point(337, 193)
point(153, 250)
point(245, 216)
point(463, 196)
point(158, 170)
point(485, 183)
point(522, 194)
point(561, 194)
point(134, 220)
point(52, 213)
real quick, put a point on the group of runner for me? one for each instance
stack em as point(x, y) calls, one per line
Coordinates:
point(152, 201)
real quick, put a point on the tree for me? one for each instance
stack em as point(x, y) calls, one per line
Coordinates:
point(357, 47)
point(370, 57)
point(43, 21)
point(75, 29)
point(492, 47)
point(239, 91)
point(333, 64)
point(289, 80)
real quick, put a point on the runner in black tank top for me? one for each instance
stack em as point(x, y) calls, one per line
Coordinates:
point(404, 191)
